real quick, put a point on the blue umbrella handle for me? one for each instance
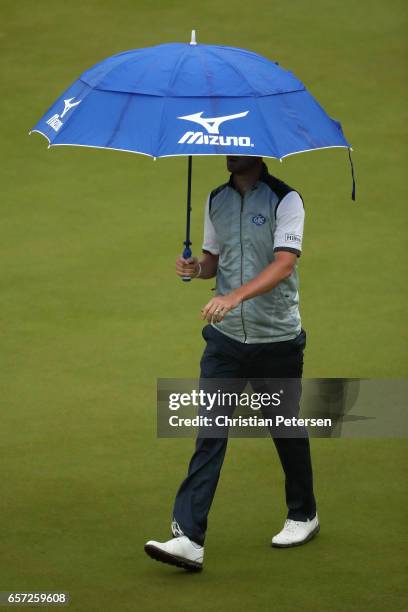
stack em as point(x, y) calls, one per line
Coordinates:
point(186, 255)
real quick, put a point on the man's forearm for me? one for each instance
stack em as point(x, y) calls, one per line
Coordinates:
point(281, 267)
point(266, 280)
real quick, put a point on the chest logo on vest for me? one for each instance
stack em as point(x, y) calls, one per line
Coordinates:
point(258, 219)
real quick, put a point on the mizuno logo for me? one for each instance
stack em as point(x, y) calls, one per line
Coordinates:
point(68, 104)
point(212, 124)
point(55, 121)
point(226, 141)
point(212, 127)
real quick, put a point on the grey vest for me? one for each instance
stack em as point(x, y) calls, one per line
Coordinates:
point(245, 228)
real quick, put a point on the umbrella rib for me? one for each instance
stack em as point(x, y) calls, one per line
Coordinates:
point(173, 72)
point(315, 149)
point(271, 136)
point(237, 71)
point(120, 120)
point(106, 72)
point(171, 79)
point(207, 74)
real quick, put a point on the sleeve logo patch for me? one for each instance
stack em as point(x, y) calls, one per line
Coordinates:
point(293, 238)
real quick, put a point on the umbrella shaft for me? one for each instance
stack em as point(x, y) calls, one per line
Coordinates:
point(187, 242)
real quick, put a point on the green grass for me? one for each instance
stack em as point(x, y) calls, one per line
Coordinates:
point(91, 314)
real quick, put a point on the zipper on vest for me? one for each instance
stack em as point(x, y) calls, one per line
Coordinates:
point(242, 262)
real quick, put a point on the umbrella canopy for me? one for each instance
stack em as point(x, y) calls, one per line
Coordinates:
point(190, 99)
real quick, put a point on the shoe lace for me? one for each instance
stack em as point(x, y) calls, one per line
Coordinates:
point(291, 525)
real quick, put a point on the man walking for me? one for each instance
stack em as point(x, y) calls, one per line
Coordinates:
point(252, 238)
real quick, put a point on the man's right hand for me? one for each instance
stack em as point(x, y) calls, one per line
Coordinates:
point(187, 267)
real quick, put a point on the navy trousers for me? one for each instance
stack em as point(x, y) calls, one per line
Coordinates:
point(226, 358)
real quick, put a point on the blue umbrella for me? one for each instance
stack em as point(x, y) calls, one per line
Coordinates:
point(191, 99)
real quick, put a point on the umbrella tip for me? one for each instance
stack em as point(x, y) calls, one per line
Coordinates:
point(193, 38)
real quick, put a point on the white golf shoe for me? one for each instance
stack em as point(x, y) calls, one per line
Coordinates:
point(295, 533)
point(180, 551)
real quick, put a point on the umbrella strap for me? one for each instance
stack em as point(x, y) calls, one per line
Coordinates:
point(353, 191)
